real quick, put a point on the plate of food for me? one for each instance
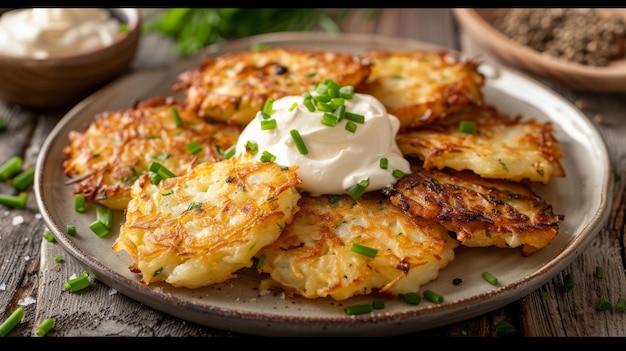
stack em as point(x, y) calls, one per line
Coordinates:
point(315, 184)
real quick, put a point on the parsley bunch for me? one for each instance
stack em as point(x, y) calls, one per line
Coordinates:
point(195, 28)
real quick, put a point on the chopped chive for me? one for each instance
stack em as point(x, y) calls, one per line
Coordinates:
point(18, 201)
point(230, 152)
point(254, 147)
point(397, 173)
point(569, 282)
point(71, 230)
point(58, 259)
point(603, 305)
point(267, 106)
point(194, 147)
point(267, 156)
point(599, 272)
point(358, 309)
point(490, 278)
point(268, 124)
point(351, 127)
point(104, 215)
point(14, 319)
point(177, 120)
point(384, 163)
point(340, 112)
point(412, 298)
point(363, 250)
point(309, 105)
point(99, 228)
point(504, 328)
point(293, 106)
point(325, 106)
point(468, 127)
point(329, 120)
point(154, 178)
point(346, 92)
point(79, 203)
point(264, 115)
point(78, 283)
point(161, 170)
point(44, 328)
point(433, 296)
point(378, 304)
point(157, 272)
point(10, 168)
point(23, 180)
point(358, 189)
point(355, 117)
point(338, 103)
point(297, 139)
point(621, 305)
point(49, 237)
point(261, 262)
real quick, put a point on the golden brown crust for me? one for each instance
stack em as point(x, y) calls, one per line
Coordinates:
point(421, 86)
point(119, 146)
point(233, 87)
point(501, 147)
point(481, 212)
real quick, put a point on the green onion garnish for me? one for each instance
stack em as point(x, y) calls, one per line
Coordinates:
point(569, 282)
point(259, 264)
point(384, 163)
point(293, 106)
point(157, 272)
point(599, 272)
point(490, 278)
point(468, 127)
point(99, 228)
point(412, 298)
point(10, 168)
point(254, 147)
point(504, 328)
point(297, 139)
point(340, 112)
point(325, 106)
point(14, 319)
point(79, 203)
point(378, 304)
point(177, 120)
point(268, 124)
point(58, 259)
point(44, 328)
point(78, 283)
point(397, 173)
point(267, 106)
point(161, 170)
point(267, 156)
point(357, 309)
point(71, 230)
point(329, 120)
point(433, 296)
point(18, 201)
point(351, 127)
point(193, 147)
point(603, 305)
point(230, 152)
point(104, 215)
point(23, 180)
point(363, 250)
point(49, 237)
point(309, 105)
point(358, 189)
point(354, 117)
point(346, 92)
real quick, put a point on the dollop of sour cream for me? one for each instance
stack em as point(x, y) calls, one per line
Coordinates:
point(337, 159)
point(43, 32)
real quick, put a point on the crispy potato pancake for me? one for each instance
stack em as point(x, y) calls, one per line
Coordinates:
point(313, 256)
point(421, 86)
point(501, 147)
point(118, 147)
point(233, 87)
point(482, 212)
point(200, 228)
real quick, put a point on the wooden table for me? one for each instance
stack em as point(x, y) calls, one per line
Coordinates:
point(102, 312)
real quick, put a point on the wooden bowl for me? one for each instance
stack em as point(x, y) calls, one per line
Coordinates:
point(478, 23)
point(62, 81)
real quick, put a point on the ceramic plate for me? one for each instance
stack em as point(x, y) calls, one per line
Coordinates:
point(236, 305)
